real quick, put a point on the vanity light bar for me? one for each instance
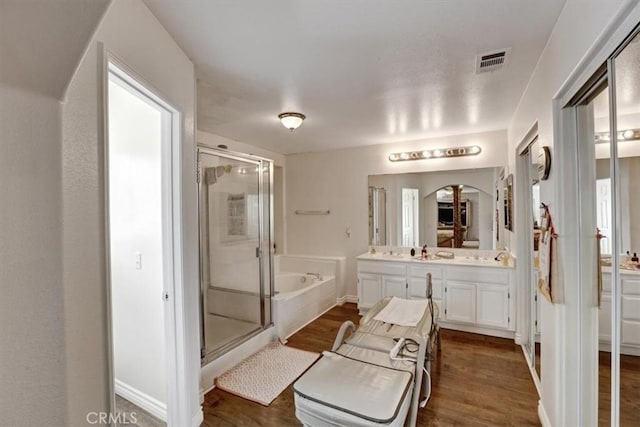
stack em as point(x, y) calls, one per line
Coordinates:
point(623, 135)
point(471, 150)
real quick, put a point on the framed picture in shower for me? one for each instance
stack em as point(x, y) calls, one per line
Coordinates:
point(236, 215)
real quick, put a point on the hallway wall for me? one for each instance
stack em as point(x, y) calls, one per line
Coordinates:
point(133, 34)
point(32, 364)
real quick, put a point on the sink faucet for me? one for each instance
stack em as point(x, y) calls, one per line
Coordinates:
point(500, 255)
point(316, 275)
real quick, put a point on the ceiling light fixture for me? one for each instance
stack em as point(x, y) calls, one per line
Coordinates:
point(291, 121)
point(623, 135)
point(471, 150)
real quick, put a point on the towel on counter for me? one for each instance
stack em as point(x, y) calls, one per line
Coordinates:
point(403, 312)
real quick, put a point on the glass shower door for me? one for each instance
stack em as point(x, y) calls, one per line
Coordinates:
point(234, 197)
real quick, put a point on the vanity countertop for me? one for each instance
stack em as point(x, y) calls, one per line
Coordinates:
point(623, 271)
point(459, 260)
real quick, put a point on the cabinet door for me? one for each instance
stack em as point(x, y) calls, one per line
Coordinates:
point(604, 318)
point(630, 333)
point(394, 286)
point(460, 302)
point(492, 305)
point(418, 288)
point(369, 290)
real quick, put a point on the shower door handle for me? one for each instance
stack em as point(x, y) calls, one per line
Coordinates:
point(258, 252)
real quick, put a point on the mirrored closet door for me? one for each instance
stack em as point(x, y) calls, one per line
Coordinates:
point(626, 115)
point(608, 119)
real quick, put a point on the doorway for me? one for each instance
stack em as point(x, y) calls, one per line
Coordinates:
point(410, 217)
point(139, 170)
point(528, 214)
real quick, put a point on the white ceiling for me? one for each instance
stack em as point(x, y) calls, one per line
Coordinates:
point(41, 42)
point(364, 72)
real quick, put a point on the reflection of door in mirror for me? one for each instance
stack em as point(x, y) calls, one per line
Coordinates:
point(377, 216)
point(410, 221)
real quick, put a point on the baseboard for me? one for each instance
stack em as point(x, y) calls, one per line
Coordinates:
point(351, 298)
point(198, 418)
point(144, 401)
point(518, 339)
point(341, 300)
point(534, 374)
point(500, 333)
point(542, 414)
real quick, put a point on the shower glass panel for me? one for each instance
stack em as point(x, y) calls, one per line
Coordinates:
point(235, 239)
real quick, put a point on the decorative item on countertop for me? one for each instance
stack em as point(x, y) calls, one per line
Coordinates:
point(413, 252)
point(445, 255)
point(372, 250)
point(506, 258)
point(424, 254)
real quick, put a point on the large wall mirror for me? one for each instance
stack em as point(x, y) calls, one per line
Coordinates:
point(454, 209)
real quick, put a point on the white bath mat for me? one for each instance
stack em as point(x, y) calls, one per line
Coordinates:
point(263, 376)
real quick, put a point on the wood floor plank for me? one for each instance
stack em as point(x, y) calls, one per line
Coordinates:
point(477, 381)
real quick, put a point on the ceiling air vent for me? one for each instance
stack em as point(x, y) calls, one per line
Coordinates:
point(492, 61)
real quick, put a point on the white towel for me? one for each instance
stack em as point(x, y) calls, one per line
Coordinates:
point(403, 312)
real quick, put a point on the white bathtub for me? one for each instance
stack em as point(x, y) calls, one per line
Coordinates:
point(299, 300)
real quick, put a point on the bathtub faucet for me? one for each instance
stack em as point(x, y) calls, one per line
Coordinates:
point(317, 275)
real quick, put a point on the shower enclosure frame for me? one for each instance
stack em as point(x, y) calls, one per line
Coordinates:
point(264, 251)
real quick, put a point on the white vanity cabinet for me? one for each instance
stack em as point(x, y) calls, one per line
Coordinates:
point(377, 280)
point(479, 296)
point(369, 290)
point(417, 284)
point(630, 332)
point(471, 297)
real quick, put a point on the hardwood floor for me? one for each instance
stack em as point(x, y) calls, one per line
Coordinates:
point(477, 381)
point(629, 390)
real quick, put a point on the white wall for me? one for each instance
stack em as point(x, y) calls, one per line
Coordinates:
point(32, 363)
point(135, 226)
point(134, 35)
point(576, 30)
point(337, 180)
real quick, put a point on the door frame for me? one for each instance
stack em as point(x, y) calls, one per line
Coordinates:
point(575, 391)
point(524, 246)
point(175, 321)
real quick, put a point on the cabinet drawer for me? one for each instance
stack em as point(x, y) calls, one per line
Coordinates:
point(484, 275)
point(382, 268)
point(630, 286)
point(421, 271)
